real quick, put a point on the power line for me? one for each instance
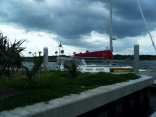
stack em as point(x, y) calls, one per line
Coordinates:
point(146, 25)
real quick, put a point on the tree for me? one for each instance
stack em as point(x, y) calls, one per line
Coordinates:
point(62, 52)
point(10, 56)
point(72, 68)
point(56, 52)
point(11, 60)
point(29, 53)
point(74, 52)
point(87, 51)
point(39, 53)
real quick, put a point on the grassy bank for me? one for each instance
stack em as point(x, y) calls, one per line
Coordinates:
point(51, 85)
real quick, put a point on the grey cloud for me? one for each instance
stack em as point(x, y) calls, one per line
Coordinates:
point(39, 0)
point(131, 22)
point(73, 18)
point(3, 14)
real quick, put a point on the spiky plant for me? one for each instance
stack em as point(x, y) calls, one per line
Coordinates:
point(30, 73)
point(10, 56)
point(62, 52)
point(72, 68)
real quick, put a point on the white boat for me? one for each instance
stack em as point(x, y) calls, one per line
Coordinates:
point(83, 67)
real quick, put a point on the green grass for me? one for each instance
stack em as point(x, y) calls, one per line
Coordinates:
point(55, 84)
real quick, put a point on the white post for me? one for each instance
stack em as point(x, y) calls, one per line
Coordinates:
point(136, 59)
point(45, 53)
point(0, 34)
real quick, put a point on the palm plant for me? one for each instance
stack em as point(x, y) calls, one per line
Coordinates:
point(39, 53)
point(29, 53)
point(10, 56)
point(30, 73)
point(72, 68)
point(56, 53)
point(62, 52)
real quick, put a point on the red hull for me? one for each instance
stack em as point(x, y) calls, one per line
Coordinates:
point(100, 54)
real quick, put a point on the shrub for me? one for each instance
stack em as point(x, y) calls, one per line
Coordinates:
point(54, 85)
point(10, 58)
point(72, 68)
point(36, 67)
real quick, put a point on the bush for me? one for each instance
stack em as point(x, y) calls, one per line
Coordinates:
point(10, 58)
point(35, 69)
point(53, 85)
point(72, 68)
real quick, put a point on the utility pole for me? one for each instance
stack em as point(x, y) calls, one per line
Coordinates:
point(110, 42)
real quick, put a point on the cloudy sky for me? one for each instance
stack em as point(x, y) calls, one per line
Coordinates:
point(79, 24)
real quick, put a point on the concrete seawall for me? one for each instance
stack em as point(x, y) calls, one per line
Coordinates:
point(78, 105)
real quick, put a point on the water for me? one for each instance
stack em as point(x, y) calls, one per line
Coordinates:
point(152, 107)
point(142, 64)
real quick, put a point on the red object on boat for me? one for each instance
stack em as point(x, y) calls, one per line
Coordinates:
point(99, 54)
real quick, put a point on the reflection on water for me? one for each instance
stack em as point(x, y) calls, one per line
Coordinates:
point(152, 107)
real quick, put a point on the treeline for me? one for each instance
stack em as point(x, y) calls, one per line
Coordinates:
point(131, 57)
point(116, 57)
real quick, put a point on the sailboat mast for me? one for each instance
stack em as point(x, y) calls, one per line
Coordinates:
point(110, 42)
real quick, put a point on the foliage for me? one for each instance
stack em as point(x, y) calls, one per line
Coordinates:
point(10, 58)
point(30, 73)
point(72, 67)
point(131, 57)
point(55, 84)
point(56, 52)
point(62, 52)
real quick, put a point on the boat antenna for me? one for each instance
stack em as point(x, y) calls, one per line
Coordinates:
point(146, 25)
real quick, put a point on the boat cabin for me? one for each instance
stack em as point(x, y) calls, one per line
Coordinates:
point(61, 61)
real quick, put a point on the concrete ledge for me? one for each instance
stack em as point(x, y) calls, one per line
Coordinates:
point(74, 105)
point(154, 115)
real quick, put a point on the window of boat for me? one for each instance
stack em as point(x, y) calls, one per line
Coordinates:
point(67, 63)
point(76, 61)
point(114, 64)
point(61, 62)
point(83, 62)
point(79, 62)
